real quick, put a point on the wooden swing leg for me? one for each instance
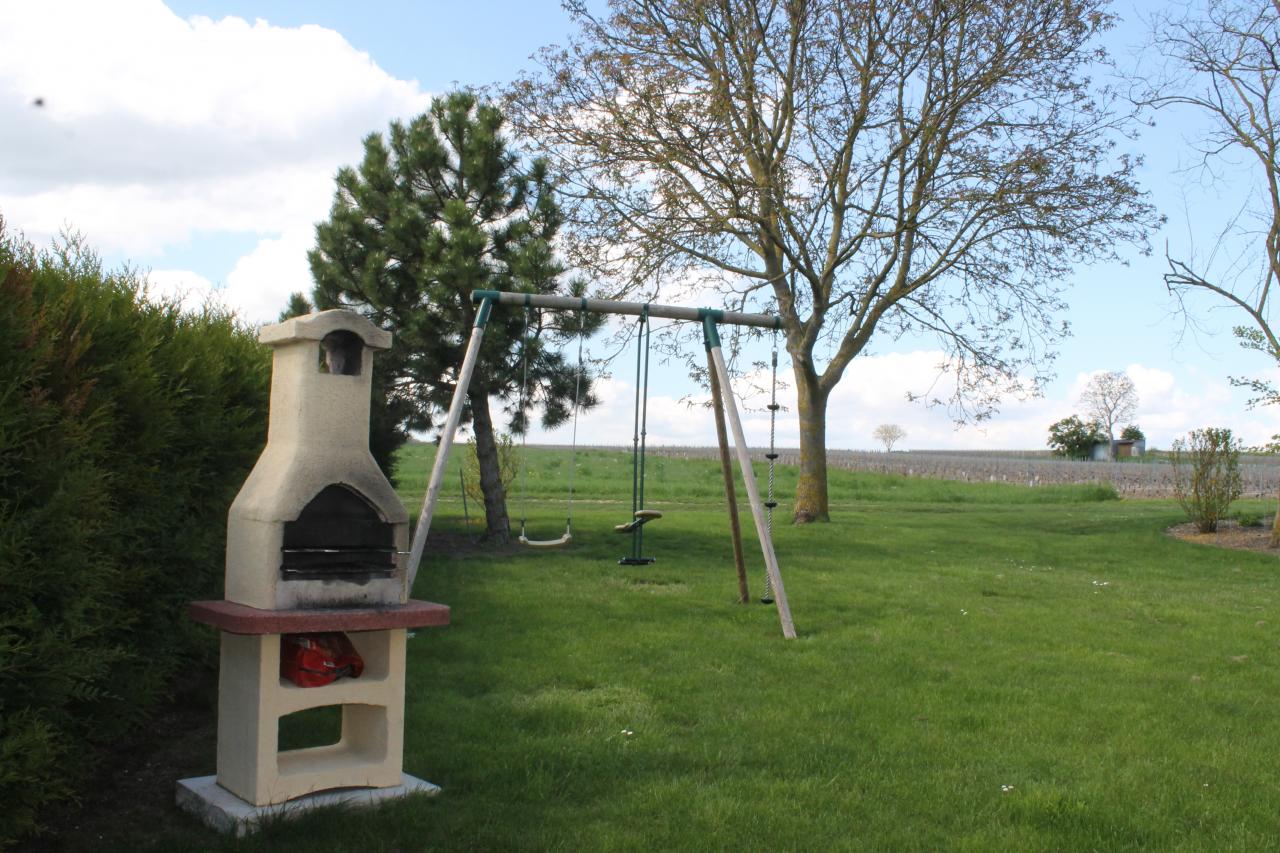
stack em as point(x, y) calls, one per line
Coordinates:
point(446, 440)
point(749, 479)
point(730, 493)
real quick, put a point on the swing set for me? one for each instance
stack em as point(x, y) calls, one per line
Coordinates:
point(639, 515)
point(567, 536)
point(724, 405)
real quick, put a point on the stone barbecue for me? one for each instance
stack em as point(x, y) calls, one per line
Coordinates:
point(316, 542)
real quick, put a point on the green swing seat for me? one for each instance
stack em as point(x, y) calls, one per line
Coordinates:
point(641, 517)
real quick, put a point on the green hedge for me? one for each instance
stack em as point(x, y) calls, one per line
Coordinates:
point(126, 429)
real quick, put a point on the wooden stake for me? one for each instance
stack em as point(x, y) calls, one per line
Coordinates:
point(730, 493)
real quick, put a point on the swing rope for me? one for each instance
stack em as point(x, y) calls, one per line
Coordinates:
point(524, 433)
point(573, 450)
point(638, 425)
point(577, 390)
point(639, 515)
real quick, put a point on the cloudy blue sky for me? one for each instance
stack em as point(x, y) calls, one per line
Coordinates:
point(198, 140)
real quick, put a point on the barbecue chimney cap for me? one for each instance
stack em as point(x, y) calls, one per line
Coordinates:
point(313, 327)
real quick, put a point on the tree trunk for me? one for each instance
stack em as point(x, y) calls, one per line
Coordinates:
point(497, 525)
point(811, 490)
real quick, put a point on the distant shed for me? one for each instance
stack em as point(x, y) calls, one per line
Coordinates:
point(1125, 448)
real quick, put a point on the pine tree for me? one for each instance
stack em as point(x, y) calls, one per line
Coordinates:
point(438, 208)
point(297, 305)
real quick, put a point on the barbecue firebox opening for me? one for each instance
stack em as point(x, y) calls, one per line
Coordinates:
point(338, 536)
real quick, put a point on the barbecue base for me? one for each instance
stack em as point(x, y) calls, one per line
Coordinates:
point(217, 807)
point(252, 697)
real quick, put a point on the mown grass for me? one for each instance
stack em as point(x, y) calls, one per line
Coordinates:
point(979, 667)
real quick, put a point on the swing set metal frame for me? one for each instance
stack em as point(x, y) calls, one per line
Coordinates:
point(709, 318)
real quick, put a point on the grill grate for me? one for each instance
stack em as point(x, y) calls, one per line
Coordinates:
point(338, 536)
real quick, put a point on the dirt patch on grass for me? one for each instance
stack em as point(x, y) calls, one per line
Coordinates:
point(1229, 535)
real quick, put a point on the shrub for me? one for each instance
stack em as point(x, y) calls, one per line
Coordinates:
point(1248, 519)
point(509, 459)
point(1206, 475)
point(126, 429)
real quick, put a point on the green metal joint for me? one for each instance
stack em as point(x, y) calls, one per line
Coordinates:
point(478, 296)
point(714, 313)
point(486, 305)
point(710, 334)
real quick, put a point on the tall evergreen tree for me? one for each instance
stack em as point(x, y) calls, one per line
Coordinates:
point(439, 207)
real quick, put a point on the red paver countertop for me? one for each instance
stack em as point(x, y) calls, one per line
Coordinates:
point(242, 619)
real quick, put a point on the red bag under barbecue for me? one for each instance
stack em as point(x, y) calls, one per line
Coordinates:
point(314, 660)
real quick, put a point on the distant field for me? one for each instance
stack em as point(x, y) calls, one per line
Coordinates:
point(604, 474)
point(1149, 477)
point(980, 666)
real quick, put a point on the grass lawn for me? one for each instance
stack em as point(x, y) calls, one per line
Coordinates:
point(982, 667)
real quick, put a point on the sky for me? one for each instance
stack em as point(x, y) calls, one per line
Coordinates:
point(197, 140)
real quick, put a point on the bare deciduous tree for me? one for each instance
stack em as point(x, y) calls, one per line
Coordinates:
point(1110, 398)
point(897, 168)
point(1225, 67)
point(889, 435)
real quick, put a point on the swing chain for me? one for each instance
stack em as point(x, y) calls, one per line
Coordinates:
point(524, 433)
point(524, 439)
point(577, 390)
point(770, 503)
point(638, 440)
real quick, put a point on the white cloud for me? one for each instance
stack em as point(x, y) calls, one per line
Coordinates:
point(131, 92)
point(189, 288)
point(141, 219)
point(874, 392)
point(155, 130)
point(262, 280)
point(257, 288)
point(1151, 383)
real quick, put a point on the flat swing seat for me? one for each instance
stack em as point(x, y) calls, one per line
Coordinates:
point(545, 543)
point(638, 520)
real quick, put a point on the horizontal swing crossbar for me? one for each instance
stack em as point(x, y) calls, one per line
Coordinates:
point(610, 306)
